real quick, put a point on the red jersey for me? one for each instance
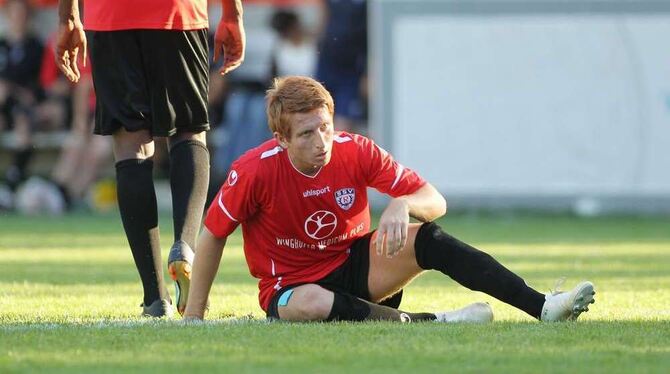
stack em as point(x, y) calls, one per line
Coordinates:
point(298, 228)
point(109, 15)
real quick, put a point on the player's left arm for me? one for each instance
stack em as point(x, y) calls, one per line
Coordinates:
point(425, 204)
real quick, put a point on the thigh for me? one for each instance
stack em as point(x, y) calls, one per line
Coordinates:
point(177, 69)
point(132, 145)
point(388, 275)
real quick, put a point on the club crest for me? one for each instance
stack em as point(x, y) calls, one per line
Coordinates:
point(345, 197)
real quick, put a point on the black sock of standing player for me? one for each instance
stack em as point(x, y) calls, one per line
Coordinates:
point(189, 180)
point(350, 308)
point(139, 214)
point(474, 269)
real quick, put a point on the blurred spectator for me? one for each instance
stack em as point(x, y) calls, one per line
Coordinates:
point(294, 52)
point(342, 59)
point(20, 61)
point(81, 154)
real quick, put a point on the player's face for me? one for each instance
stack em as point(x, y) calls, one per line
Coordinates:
point(311, 140)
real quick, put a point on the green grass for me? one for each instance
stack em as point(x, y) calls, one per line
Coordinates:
point(69, 297)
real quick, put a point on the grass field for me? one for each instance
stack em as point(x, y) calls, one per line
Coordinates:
point(69, 297)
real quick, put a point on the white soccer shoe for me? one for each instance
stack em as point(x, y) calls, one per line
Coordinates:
point(567, 306)
point(473, 313)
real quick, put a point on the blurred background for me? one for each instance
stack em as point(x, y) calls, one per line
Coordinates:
point(538, 105)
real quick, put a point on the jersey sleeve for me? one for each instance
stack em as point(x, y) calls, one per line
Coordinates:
point(234, 203)
point(384, 173)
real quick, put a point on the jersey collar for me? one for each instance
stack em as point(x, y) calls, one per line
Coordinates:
point(298, 170)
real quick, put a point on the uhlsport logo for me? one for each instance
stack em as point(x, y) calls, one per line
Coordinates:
point(316, 192)
point(320, 224)
point(232, 178)
point(345, 197)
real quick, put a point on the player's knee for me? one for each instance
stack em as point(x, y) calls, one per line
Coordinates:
point(312, 303)
point(133, 145)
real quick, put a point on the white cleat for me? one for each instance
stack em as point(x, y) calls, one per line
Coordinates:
point(473, 313)
point(567, 306)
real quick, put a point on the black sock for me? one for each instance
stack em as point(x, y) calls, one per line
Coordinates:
point(189, 179)
point(474, 269)
point(350, 308)
point(139, 214)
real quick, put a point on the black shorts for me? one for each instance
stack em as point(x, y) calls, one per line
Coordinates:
point(351, 278)
point(152, 80)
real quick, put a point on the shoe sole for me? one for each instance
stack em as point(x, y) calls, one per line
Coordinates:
point(582, 299)
point(180, 272)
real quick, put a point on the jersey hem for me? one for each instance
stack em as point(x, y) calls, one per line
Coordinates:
point(146, 25)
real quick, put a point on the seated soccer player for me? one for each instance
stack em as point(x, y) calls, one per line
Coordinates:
point(302, 203)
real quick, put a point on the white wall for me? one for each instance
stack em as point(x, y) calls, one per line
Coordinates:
point(527, 104)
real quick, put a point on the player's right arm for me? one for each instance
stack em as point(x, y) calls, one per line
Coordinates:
point(205, 266)
point(234, 204)
point(71, 39)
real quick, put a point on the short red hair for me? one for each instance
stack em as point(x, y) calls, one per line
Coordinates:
point(294, 94)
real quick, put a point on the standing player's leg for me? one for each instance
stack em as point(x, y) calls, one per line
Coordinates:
point(139, 214)
point(189, 180)
point(177, 69)
point(124, 111)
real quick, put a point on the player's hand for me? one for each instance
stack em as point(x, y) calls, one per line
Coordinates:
point(70, 45)
point(230, 41)
point(393, 227)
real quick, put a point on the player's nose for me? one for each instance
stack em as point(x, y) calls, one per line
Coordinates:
point(321, 141)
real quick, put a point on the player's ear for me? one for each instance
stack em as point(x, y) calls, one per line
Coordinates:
point(281, 139)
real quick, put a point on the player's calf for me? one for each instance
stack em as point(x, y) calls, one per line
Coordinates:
point(474, 269)
point(312, 302)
